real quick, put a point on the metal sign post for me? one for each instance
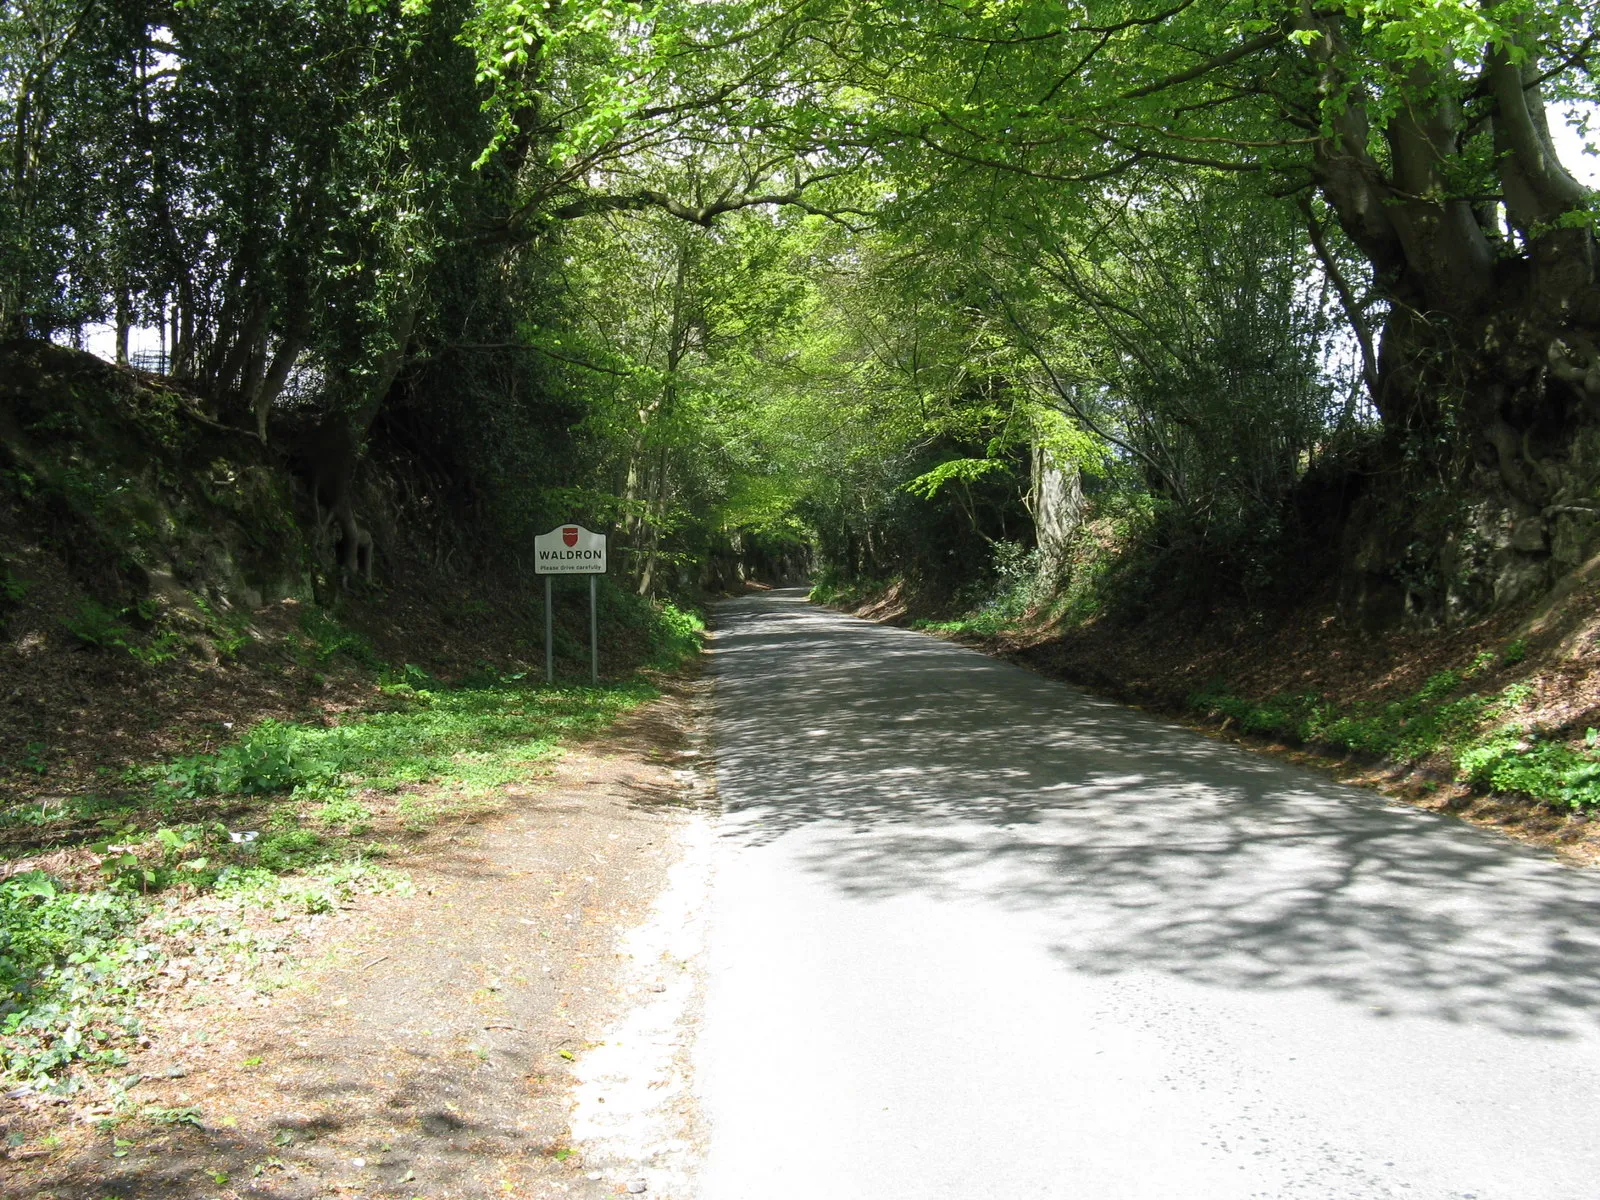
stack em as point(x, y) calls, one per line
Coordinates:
point(570, 550)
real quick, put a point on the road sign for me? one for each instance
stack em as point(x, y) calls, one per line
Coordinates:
point(569, 550)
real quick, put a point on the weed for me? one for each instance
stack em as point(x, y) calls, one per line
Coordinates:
point(1020, 585)
point(831, 587)
point(164, 647)
point(1438, 687)
point(326, 638)
point(36, 758)
point(75, 964)
point(342, 810)
point(96, 625)
point(675, 635)
point(1514, 652)
point(273, 757)
point(229, 633)
point(406, 679)
point(1471, 730)
point(292, 848)
point(173, 1116)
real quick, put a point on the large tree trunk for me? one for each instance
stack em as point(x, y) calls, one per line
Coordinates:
point(1488, 375)
point(343, 443)
point(1056, 499)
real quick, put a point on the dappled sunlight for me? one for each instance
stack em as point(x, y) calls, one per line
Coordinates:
point(901, 764)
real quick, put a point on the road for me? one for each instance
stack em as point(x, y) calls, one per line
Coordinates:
point(978, 935)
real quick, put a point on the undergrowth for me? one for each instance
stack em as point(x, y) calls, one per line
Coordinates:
point(198, 858)
point(1019, 586)
point(1480, 734)
point(76, 966)
point(832, 587)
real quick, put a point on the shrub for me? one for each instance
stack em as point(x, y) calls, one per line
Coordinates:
point(273, 757)
point(675, 635)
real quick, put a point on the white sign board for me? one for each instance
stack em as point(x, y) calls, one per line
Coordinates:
point(569, 550)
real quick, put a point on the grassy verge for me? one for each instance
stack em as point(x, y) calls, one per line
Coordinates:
point(197, 868)
point(1484, 737)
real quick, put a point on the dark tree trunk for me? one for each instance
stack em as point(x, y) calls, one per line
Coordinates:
point(1488, 373)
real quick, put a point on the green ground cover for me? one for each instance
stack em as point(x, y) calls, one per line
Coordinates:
point(1482, 735)
point(202, 859)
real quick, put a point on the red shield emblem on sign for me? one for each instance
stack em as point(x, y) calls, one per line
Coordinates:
point(569, 535)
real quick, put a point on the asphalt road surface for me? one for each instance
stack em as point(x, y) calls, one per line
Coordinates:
point(977, 935)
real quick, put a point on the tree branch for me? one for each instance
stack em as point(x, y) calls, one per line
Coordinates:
point(1347, 299)
point(1242, 50)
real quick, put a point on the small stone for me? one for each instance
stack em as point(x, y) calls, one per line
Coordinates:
point(358, 1163)
point(592, 1175)
point(637, 1185)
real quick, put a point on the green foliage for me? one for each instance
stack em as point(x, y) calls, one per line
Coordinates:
point(63, 956)
point(98, 626)
point(856, 257)
point(289, 849)
point(478, 737)
point(676, 635)
point(955, 470)
point(36, 758)
point(834, 586)
point(42, 925)
point(132, 861)
point(327, 638)
point(74, 962)
point(184, 1115)
point(271, 758)
point(95, 625)
point(12, 588)
point(74, 965)
point(71, 964)
point(1471, 730)
point(1017, 588)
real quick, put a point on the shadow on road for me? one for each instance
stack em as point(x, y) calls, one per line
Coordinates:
point(909, 765)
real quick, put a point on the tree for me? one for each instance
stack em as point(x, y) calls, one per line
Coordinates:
point(1192, 336)
point(1413, 136)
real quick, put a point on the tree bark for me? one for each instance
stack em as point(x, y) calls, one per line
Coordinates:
point(268, 389)
point(1056, 498)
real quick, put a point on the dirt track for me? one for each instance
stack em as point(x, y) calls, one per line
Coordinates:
point(427, 1048)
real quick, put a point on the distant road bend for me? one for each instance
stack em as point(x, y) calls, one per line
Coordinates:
point(978, 935)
